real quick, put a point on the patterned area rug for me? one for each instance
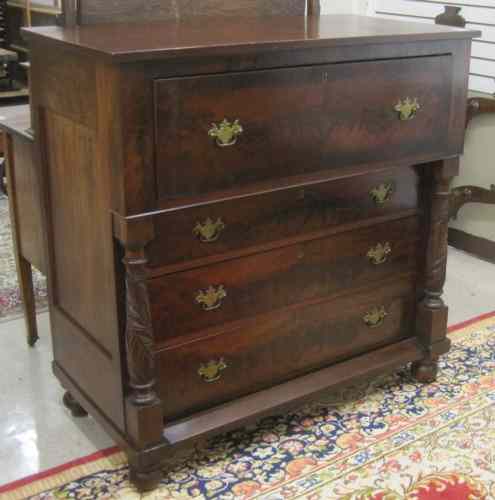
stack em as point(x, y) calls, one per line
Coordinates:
point(10, 297)
point(388, 439)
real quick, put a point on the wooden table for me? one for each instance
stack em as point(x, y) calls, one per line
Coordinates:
point(25, 205)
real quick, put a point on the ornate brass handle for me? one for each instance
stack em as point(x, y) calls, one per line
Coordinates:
point(379, 254)
point(407, 108)
point(209, 231)
point(226, 133)
point(382, 193)
point(375, 317)
point(212, 370)
point(211, 298)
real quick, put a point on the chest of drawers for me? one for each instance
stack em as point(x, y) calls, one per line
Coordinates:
point(242, 216)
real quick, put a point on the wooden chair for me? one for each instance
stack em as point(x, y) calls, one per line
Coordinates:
point(98, 11)
point(462, 195)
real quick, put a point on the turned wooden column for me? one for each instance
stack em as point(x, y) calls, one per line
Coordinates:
point(431, 322)
point(144, 414)
point(139, 331)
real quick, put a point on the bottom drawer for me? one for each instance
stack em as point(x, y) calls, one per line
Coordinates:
point(272, 349)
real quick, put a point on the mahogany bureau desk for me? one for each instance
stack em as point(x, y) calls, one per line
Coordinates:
point(242, 213)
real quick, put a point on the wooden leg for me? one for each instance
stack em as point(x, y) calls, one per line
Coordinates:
point(3, 186)
point(425, 371)
point(75, 408)
point(431, 319)
point(25, 277)
point(144, 480)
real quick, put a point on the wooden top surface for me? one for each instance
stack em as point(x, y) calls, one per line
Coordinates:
point(226, 35)
point(16, 119)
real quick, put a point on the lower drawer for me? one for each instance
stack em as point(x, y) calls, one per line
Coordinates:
point(272, 349)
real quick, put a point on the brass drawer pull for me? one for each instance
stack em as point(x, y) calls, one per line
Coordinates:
point(211, 298)
point(407, 109)
point(375, 317)
point(212, 371)
point(379, 254)
point(209, 231)
point(382, 193)
point(226, 133)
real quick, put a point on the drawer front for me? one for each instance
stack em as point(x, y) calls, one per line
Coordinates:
point(218, 228)
point(297, 121)
point(237, 289)
point(271, 350)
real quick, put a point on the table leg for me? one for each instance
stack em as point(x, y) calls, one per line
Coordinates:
point(24, 269)
point(25, 277)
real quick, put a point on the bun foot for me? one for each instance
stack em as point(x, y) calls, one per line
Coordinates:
point(145, 480)
point(425, 371)
point(75, 408)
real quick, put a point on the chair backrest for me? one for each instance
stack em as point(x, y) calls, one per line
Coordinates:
point(110, 11)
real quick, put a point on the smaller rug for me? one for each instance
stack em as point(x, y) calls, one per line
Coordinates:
point(10, 295)
point(386, 439)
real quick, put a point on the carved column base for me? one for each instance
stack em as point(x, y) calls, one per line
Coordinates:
point(425, 371)
point(75, 408)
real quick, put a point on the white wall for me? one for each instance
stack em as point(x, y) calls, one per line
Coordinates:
point(479, 14)
point(478, 162)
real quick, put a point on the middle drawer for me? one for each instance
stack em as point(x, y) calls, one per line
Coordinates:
point(302, 212)
point(210, 296)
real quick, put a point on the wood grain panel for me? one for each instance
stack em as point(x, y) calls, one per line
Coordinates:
point(28, 201)
point(84, 281)
point(297, 121)
point(280, 278)
point(271, 350)
point(96, 11)
point(271, 217)
point(69, 86)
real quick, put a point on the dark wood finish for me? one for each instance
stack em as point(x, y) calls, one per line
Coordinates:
point(256, 355)
point(26, 208)
point(73, 406)
point(462, 195)
point(288, 132)
point(95, 11)
point(278, 218)
point(478, 106)
point(69, 15)
point(451, 17)
point(481, 247)
point(300, 287)
point(291, 394)
point(223, 36)
point(431, 319)
point(263, 282)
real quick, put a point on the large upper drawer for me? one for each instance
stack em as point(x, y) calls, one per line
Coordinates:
point(295, 121)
